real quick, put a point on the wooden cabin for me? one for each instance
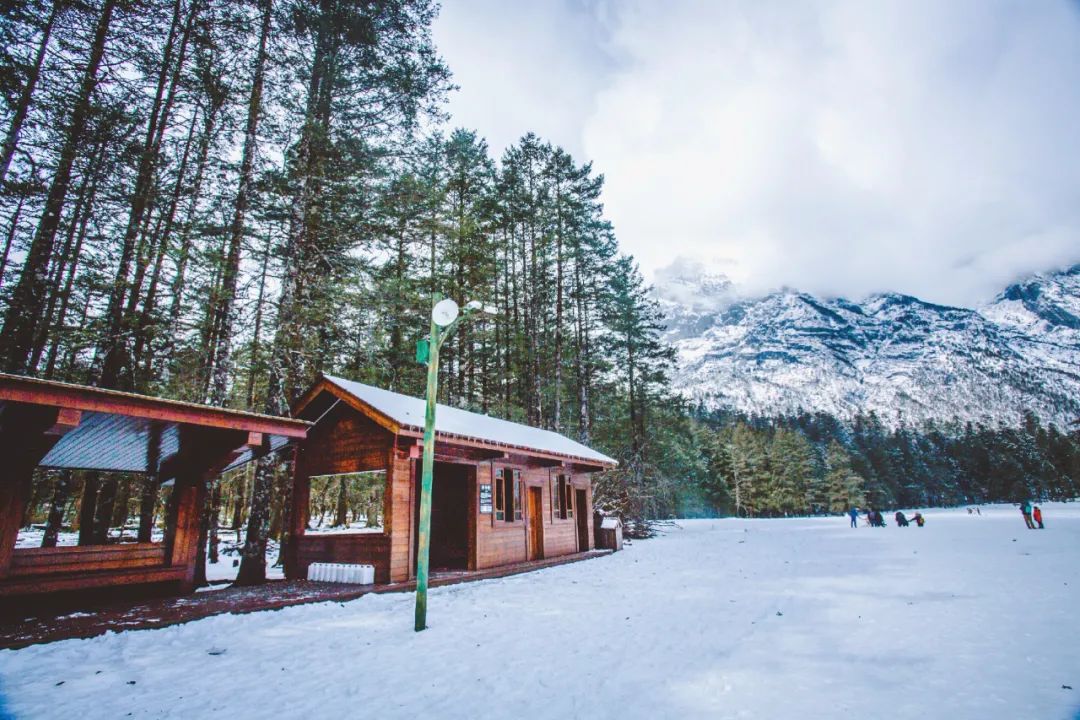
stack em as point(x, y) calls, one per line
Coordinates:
point(61, 426)
point(502, 493)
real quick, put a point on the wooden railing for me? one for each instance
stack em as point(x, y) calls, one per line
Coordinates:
point(40, 570)
point(88, 558)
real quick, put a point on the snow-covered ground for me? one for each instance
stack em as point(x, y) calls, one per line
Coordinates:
point(968, 617)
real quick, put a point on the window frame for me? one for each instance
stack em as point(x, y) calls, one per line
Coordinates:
point(508, 496)
point(562, 497)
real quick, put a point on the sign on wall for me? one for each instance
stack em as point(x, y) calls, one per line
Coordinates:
point(485, 499)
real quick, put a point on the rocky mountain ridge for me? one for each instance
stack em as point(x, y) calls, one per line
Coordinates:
point(903, 358)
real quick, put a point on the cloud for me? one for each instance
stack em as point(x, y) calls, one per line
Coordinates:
point(523, 66)
point(842, 148)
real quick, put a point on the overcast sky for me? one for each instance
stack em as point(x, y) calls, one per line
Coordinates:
point(843, 148)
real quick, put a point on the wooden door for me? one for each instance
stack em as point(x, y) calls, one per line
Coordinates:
point(536, 523)
point(582, 521)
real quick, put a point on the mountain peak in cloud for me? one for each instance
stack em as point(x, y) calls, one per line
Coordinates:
point(694, 285)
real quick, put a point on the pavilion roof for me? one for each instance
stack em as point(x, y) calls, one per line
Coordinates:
point(112, 430)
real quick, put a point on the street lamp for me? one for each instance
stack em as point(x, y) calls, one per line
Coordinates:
point(445, 318)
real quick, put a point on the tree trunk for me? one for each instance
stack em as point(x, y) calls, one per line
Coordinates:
point(103, 516)
point(284, 371)
point(69, 283)
point(340, 516)
point(147, 506)
point(225, 306)
point(556, 419)
point(61, 492)
point(200, 552)
point(238, 501)
point(67, 259)
point(215, 520)
point(22, 107)
point(88, 507)
point(9, 238)
point(253, 554)
point(28, 299)
point(140, 353)
point(177, 289)
point(114, 341)
point(120, 509)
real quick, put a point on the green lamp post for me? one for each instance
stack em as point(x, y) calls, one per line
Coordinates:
point(445, 318)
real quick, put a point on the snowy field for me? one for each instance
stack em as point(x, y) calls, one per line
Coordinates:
point(969, 617)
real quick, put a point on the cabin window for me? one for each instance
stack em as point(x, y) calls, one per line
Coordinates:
point(352, 502)
point(508, 495)
point(563, 499)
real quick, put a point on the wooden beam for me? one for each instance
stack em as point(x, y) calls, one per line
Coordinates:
point(204, 449)
point(585, 468)
point(14, 388)
point(67, 419)
point(531, 461)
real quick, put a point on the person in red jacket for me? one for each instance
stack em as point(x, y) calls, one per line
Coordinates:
point(1037, 516)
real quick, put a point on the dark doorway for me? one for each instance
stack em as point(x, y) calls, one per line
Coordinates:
point(450, 512)
point(582, 521)
point(536, 523)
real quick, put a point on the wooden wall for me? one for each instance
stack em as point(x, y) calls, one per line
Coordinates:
point(400, 497)
point(500, 543)
point(360, 548)
point(343, 442)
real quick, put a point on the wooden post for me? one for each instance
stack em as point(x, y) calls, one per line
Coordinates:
point(300, 497)
point(28, 433)
point(14, 490)
point(203, 454)
point(189, 496)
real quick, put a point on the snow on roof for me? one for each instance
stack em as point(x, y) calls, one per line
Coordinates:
point(409, 411)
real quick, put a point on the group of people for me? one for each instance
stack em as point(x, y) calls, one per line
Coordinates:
point(874, 518)
point(1032, 517)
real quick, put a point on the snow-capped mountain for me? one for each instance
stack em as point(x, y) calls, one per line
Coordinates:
point(894, 354)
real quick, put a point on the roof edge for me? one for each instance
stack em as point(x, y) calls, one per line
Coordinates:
point(449, 438)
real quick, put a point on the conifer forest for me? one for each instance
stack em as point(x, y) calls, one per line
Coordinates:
point(218, 200)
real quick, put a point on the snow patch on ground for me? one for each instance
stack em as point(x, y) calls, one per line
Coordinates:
point(969, 617)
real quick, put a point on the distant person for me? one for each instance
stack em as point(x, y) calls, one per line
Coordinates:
point(1025, 510)
point(978, 511)
point(853, 513)
point(1037, 516)
point(901, 521)
point(919, 519)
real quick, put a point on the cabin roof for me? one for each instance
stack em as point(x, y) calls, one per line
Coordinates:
point(406, 413)
point(126, 432)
